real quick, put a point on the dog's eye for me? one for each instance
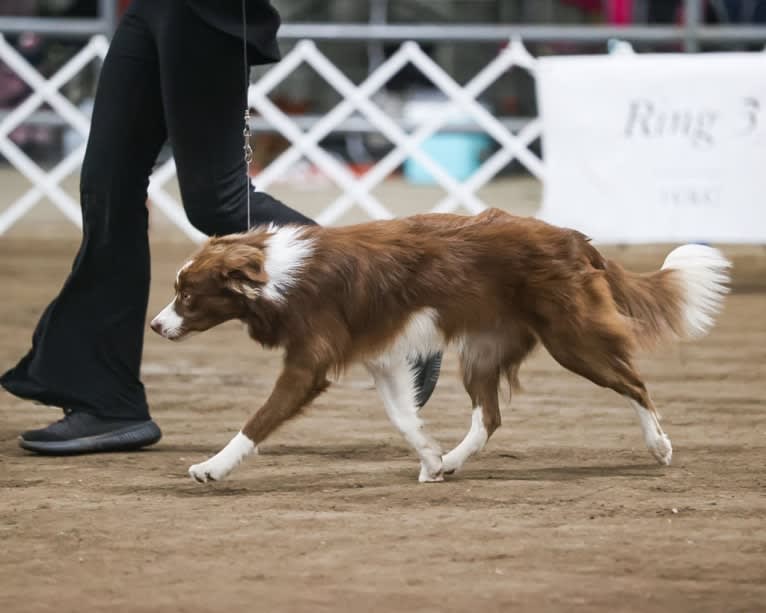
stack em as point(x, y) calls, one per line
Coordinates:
point(185, 297)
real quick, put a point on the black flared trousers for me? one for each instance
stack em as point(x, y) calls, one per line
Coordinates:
point(167, 75)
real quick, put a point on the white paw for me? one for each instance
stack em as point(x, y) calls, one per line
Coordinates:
point(661, 449)
point(223, 462)
point(431, 469)
point(427, 476)
point(451, 463)
point(208, 471)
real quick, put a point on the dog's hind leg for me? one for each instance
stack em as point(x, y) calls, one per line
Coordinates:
point(485, 419)
point(484, 359)
point(297, 386)
point(601, 352)
point(656, 440)
point(480, 358)
point(396, 385)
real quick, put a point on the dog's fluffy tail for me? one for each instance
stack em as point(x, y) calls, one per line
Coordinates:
point(681, 300)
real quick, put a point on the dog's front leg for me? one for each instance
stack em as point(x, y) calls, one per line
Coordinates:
point(296, 387)
point(395, 384)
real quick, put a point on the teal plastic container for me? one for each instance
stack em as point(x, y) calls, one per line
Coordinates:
point(459, 153)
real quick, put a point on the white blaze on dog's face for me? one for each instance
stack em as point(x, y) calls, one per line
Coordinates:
point(214, 287)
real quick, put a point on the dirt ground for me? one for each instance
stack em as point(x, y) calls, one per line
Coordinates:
point(564, 511)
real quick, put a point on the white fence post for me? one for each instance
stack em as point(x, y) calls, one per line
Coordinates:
point(356, 191)
point(45, 184)
point(358, 97)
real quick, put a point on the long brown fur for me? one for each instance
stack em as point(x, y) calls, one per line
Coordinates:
point(499, 284)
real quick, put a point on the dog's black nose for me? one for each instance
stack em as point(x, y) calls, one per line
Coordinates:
point(156, 326)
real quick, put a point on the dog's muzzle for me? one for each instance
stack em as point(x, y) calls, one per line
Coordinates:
point(168, 323)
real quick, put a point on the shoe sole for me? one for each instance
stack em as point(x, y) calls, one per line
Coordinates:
point(124, 439)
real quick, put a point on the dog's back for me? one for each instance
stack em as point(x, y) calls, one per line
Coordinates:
point(474, 274)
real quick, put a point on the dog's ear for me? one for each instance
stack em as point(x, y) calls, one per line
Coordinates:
point(243, 270)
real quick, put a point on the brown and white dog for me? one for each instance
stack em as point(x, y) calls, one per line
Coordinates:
point(494, 285)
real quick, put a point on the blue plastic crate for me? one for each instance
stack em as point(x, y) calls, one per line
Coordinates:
point(458, 153)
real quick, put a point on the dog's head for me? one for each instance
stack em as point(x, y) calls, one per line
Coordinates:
point(216, 285)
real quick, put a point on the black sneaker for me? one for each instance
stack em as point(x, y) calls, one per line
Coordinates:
point(426, 369)
point(78, 432)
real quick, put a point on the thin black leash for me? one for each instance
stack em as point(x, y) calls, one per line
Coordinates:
point(246, 131)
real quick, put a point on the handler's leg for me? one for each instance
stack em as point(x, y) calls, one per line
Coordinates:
point(204, 95)
point(87, 347)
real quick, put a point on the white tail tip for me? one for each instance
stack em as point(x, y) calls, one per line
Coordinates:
point(704, 275)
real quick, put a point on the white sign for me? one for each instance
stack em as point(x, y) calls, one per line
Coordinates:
point(656, 148)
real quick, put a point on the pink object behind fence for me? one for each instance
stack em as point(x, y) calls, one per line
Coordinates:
point(619, 12)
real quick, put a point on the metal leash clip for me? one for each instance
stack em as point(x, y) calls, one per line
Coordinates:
point(246, 134)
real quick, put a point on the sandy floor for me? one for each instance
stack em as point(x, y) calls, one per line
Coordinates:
point(564, 511)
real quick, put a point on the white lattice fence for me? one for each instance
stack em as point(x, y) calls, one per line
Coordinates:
point(356, 191)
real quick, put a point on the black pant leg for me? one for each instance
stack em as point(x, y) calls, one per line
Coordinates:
point(87, 346)
point(203, 91)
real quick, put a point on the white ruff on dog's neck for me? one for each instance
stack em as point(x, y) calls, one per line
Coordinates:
point(286, 252)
